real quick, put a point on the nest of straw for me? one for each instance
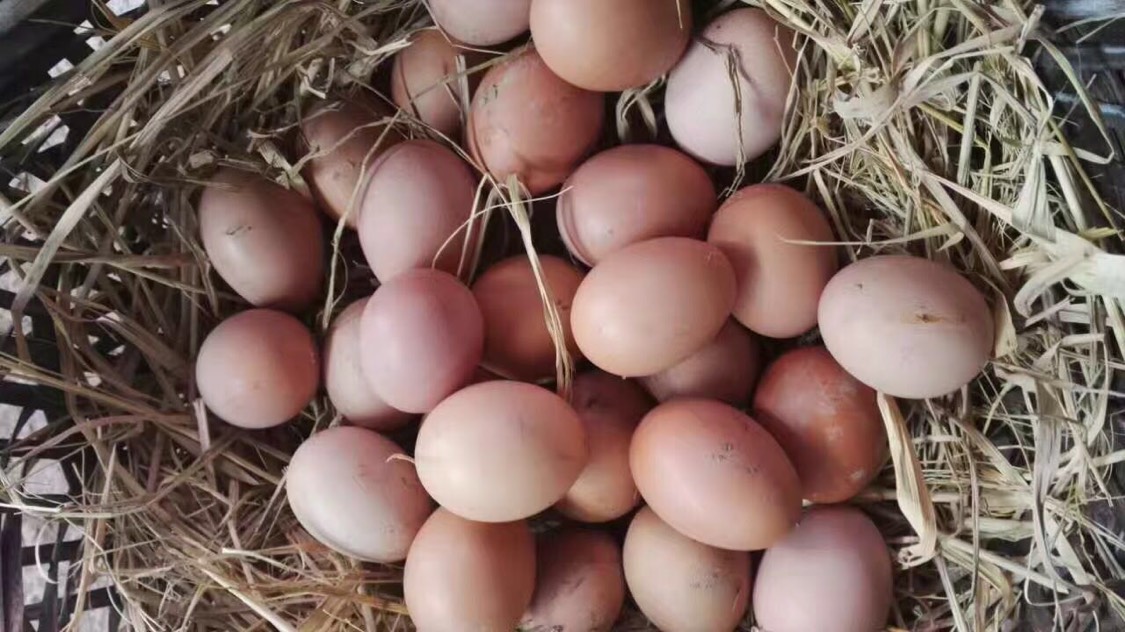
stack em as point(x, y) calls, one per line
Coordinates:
point(918, 125)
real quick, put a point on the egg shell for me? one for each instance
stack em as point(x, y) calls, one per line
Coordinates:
point(415, 210)
point(779, 282)
point(610, 46)
point(682, 585)
point(836, 559)
point(734, 487)
point(906, 326)
point(650, 305)
point(425, 81)
point(633, 193)
point(346, 140)
point(348, 390)
point(610, 409)
point(262, 239)
point(699, 103)
point(517, 343)
point(527, 122)
point(579, 583)
point(465, 576)
point(500, 451)
point(724, 369)
point(357, 493)
point(481, 22)
point(422, 336)
point(826, 421)
point(257, 369)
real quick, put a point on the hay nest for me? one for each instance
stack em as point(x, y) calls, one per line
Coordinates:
point(919, 125)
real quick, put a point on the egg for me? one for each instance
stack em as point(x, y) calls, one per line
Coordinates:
point(724, 369)
point(906, 326)
point(835, 559)
point(650, 305)
point(578, 582)
point(733, 487)
point(610, 46)
point(262, 239)
point(348, 390)
point(465, 576)
point(705, 115)
point(425, 81)
point(527, 122)
point(257, 369)
point(500, 451)
point(682, 585)
point(517, 343)
point(633, 193)
point(421, 338)
point(415, 210)
point(779, 281)
point(344, 139)
point(610, 409)
point(481, 22)
point(355, 492)
point(826, 421)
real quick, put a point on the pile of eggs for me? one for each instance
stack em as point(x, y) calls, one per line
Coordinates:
point(675, 425)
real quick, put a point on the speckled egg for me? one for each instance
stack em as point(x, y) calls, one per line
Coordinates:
point(355, 491)
point(733, 487)
point(906, 326)
point(826, 421)
point(680, 584)
point(527, 122)
point(578, 582)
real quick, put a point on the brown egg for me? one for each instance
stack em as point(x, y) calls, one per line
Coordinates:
point(527, 122)
point(348, 390)
point(610, 46)
point(633, 193)
point(500, 451)
point(906, 326)
point(517, 343)
point(422, 336)
point(835, 559)
point(464, 576)
point(481, 22)
point(733, 487)
point(350, 492)
point(725, 369)
point(705, 115)
point(610, 409)
point(346, 139)
point(682, 585)
point(650, 305)
point(578, 582)
point(779, 282)
point(263, 240)
point(257, 369)
point(425, 81)
point(416, 209)
point(825, 420)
